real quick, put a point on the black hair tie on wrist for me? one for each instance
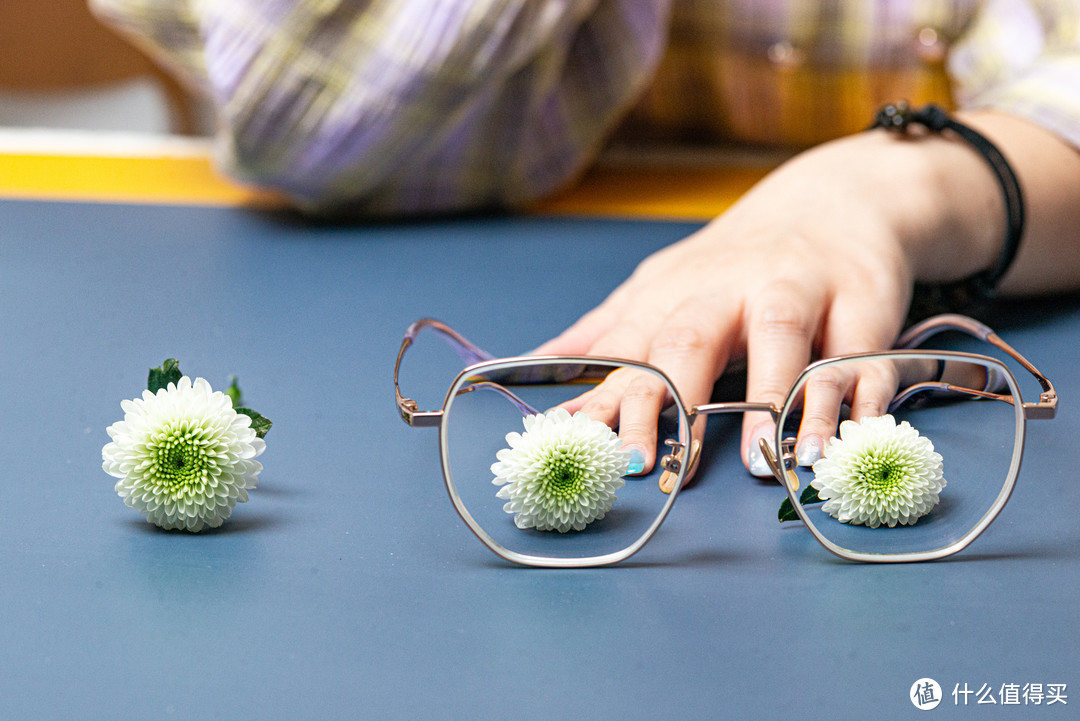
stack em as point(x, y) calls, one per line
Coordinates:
point(974, 293)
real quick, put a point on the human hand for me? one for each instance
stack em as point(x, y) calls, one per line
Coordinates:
point(818, 259)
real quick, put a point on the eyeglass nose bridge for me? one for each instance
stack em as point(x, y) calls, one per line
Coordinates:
point(672, 463)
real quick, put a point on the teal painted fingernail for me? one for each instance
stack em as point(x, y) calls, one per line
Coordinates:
point(637, 462)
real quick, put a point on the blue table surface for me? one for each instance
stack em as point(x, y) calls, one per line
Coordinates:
point(348, 587)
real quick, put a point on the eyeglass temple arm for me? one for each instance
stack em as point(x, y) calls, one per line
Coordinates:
point(467, 351)
point(908, 393)
point(914, 336)
point(525, 408)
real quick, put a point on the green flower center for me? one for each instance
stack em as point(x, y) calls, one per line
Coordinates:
point(564, 475)
point(882, 472)
point(181, 460)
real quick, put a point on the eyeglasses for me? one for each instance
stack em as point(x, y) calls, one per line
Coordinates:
point(543, 484)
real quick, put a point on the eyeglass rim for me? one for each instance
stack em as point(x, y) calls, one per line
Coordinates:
point(1044, 408)
point(684, 423)
point(686, 418)
point(1019, 411)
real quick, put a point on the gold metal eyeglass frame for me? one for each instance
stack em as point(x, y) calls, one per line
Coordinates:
point(783, 463)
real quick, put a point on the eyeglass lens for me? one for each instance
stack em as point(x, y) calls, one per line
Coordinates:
point(539, 479)
point(919, 476)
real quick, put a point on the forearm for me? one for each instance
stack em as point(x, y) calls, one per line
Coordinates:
point(945, 205)
point(1048, 169)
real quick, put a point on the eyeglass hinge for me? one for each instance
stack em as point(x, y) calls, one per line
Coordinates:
point(1045, 408)
point(407, 408)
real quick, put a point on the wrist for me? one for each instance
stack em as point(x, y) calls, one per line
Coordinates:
point(950, 212)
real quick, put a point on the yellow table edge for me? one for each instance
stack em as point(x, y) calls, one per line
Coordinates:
point(678, 193)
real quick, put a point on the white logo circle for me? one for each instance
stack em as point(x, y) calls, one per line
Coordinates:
point(925, 694)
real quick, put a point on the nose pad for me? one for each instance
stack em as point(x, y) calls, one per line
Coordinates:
point(672, 463)
point(787, 448)
point(791, 461)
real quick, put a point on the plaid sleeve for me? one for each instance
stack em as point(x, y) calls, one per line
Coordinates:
point(1023, 57)
point(408, 106)
point(167, 30)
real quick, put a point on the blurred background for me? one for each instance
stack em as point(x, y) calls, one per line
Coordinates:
point(721, 82)
point(62, 69)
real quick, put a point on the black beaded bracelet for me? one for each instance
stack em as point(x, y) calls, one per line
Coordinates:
point(971, 294)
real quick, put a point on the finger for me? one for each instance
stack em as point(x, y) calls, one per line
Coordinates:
point(781, 328)
point(857, 325)
point(971, 375)
point(875, 387)
point(643, 398)
point(604, 402)
point(867, 387)
point(580, 337)
point(575, 340)
point(646, 394)
point(600, 404)
point(692, 348)
point(824, 393)
point(631, 400)
point(628, 339)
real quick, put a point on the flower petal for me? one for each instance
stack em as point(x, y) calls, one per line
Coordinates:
point(561, 474)
point(879, 472)
point(183, 457)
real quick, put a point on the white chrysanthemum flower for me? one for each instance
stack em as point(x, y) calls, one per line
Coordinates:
point(878, 472)
point(561, 473)
point(184, 457)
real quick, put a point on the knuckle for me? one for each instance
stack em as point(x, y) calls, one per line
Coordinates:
point(643, 389)
point(601, 406)
point(784, 319)
point(635, 429)
point(821, 417)
point(827, 381)
point(770, 391)
point(682, 340)
point(782, 313)
point(620, 340)
point(867, 408)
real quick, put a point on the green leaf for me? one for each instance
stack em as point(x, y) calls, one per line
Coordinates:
point(233, 392)
point(259, 423)
point(809, 495)
point(168, 372)
point(787, 511)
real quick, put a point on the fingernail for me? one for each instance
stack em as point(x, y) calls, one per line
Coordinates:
point(637, 461)
point(758, 466)
point(809, 450)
